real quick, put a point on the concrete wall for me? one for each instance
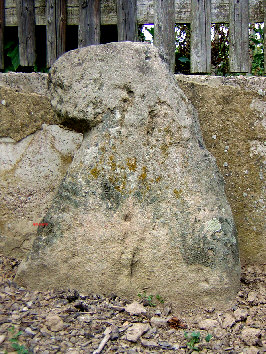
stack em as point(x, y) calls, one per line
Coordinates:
point(35, 153)
point(231, 112)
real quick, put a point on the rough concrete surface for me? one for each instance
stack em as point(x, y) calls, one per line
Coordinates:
point(232, 115)
point(22, 114)
point(27, 83)
point(142, 206)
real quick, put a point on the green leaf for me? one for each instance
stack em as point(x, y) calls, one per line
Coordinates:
point(151, 31)
point(23, 350)
point(16, 346)
point(183, 60)
point(9, 45)
point(18, 334)
point(208, 337)
point(254, 40)
point(160, 299)
point(20, 348)
point(14, 56)
point(195, 335)
point(259, 55)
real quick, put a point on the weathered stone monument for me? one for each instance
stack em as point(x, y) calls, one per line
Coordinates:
point(142, 206)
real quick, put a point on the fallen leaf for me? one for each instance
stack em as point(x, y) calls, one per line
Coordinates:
point(176, 323)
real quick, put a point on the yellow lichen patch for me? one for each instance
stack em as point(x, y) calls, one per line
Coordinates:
point(143, 174)
point(112, 162)
point(95, 172)
point(157, 179)
point(177, 192)
point(164, 149)
point(122, 185)
point(168, 131)
point(132, 164)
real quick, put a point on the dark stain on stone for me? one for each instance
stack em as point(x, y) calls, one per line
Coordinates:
point(229, 230)
point(200, 144)
point(127, 217)
point(110, 194)
point(46, 236)
point(133, 262)
point(151, 121)
point(211, 250)
point(198, 250)
point(129, 91)
point(69, 192)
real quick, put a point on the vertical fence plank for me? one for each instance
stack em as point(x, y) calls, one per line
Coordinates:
point(264, 9)
point(200, 57)
point(164, 30)
point(55, 29)
point(61, 21)
point(26, 32)
point(238, 36)
point(89, 22)
point(51, 32)
point(127, 20)
point(2, 25)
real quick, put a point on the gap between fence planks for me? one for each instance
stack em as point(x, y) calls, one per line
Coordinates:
point(164, 31)
point(26, 32)
point(2, 23)
point(55, 29)
point(200, 58)
point(89, 22)
point(239, 36)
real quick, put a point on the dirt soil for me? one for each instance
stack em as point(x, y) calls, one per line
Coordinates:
point(69, 322)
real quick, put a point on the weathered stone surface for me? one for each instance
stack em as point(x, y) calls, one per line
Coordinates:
point(251, 335)
point(54, 322)
point(158, 321)
point(135, 308)
point(208, 323)
point(241, 315)
point(142, 206)
point(30, 172)
point(228, 321)
point(23, 113)
point(135, 332)
point(27, 83)
point(232, 115)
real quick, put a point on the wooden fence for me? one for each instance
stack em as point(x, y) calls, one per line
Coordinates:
point(127, 14)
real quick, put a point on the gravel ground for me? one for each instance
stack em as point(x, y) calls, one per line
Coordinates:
point(69, 322)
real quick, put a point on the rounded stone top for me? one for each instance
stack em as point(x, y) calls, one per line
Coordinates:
point(87, 82)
